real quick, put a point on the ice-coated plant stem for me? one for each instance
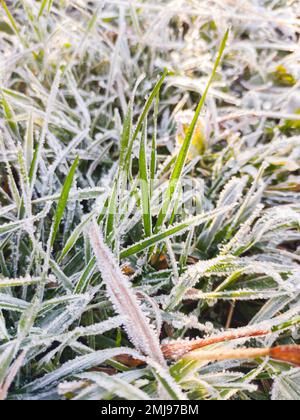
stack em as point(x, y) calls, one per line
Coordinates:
point(123, 297)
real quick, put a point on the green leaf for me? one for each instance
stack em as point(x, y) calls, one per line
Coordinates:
point(175, 230)
point(112, 210)
point(144, 113)
point(63, 201)
point(6, 357)
point(28, 318)
point(43, 6)
point(29, 143)
point(77, 366)
point(11, 227)
point(10, 117)
point(11, 19)
point(10, 303)
point(182, 156)
point(126, 135)
point(86, 276)
point(75, 236)
point(144, 184)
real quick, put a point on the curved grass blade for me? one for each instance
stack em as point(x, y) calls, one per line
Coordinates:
point(145, 113)
point(85, 278)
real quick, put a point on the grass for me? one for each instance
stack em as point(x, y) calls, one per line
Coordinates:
point(149, 191)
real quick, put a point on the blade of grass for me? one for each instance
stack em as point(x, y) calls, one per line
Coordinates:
point(143, 115)
point(111, 211)
point(43, 7)
point(74, 236)
point(12, 22)
point(10, 117)
point(85, 278)
point(5, 283)
point(39, 148)
point(181, 159)
point(153, 163)
point(144, 184)
point(63, 201)
point(178, 229)
point(121, 294)
point(29, 143)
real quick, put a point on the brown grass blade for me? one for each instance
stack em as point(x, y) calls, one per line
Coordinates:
point(288, 354)
point(178, 349)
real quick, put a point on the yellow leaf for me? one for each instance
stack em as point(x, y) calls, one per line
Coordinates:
point(200, 138)
point(282, 77)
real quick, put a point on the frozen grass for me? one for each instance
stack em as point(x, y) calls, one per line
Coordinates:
point(110, 271)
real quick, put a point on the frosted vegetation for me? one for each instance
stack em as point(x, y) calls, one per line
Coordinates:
point(149, 242)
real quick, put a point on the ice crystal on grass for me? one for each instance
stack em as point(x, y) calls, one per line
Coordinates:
point(122, 295)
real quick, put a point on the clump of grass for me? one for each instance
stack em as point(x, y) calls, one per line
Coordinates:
point(129, 267)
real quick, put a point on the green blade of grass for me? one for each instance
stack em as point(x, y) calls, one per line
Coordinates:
point(33, 166)
point(10, 117)
point(144, 184)
point(111, 211)
point(143, 115)
point(153, 163)
point(172, 231)
point(126, 135)
point(12, 21)
point(43, 7)
point(63, 201)
point(286, 325)
point(181, 159)
point(29, 143)
point(85, 278)
point(40, 145)
point(74, 237)
point(148, 243)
